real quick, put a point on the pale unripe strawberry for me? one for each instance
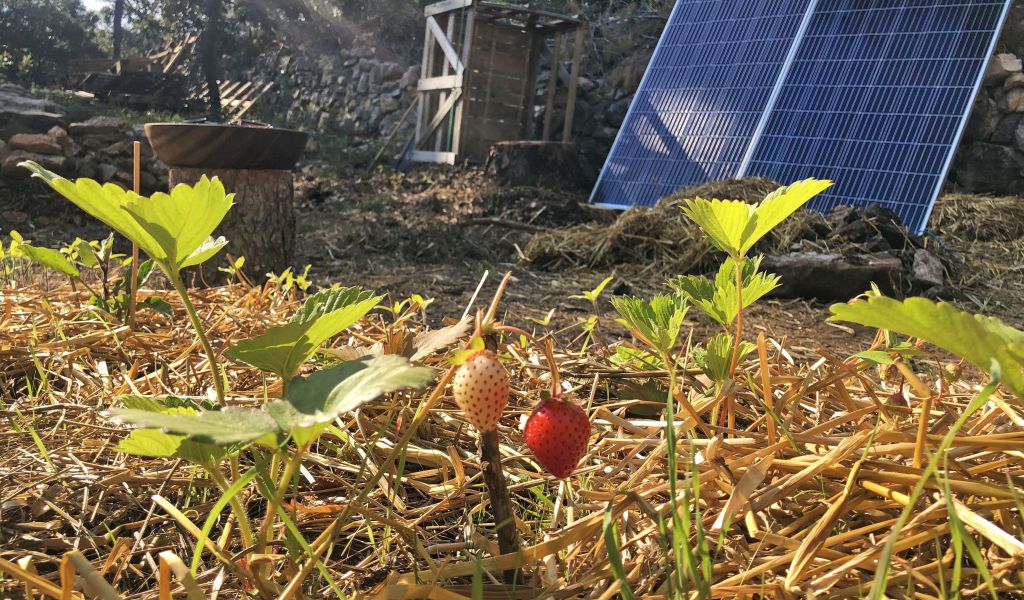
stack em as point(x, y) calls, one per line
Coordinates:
point(557, 432)
point(481, 390)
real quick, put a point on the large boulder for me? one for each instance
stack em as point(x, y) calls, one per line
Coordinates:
point(984, 121)
point(1013, 101)
point(1006, 131)
point(1000, 67)
point(927, 271)
point(21, 112)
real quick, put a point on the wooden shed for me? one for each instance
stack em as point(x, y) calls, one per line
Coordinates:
point(478, 83)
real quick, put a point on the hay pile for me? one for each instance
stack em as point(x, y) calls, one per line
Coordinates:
point(667, 243)
point(984, 238)
point(810, 504)
point(661, 235)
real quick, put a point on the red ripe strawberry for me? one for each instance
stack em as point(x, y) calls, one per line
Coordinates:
point(481, 390)
point(558, 432)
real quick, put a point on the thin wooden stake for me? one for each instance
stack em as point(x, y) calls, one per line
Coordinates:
point(133, 282)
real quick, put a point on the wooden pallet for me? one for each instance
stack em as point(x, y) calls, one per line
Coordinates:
point(236, 97)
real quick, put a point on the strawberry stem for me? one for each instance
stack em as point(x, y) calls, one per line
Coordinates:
point(501, 501)
point(494, 475)
point(549, 353)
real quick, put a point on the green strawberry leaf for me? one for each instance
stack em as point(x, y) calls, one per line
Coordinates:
point(981, 340)
point(174, 229)
point(157, 304)
point(312, 403)
point(718, 298)
point(315, 401)
point(183, 221)
point(657, 322)
point(156, 443)
point(778, 206)
point(734, 226)
point(715, 358)
point(85, 252)
point(233, 425)
point(325, 301)
point(878, 357)
point(282, 350)
point(49, 258)
point(633, 358)
point(105, 203)
point(206, 250)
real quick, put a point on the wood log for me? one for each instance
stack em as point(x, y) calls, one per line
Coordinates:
point(834, 277)
point(534, 163)
point(261, 224)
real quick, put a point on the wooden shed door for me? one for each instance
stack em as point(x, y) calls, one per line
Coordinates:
point(441, 86)
point(497, 82)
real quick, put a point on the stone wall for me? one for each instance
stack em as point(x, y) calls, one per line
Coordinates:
point(351, 92)
point(991, 156)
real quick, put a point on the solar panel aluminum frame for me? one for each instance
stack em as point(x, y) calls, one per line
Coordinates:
point(770, 105)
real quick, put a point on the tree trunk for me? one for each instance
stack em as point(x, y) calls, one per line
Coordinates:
point(210, 57)
point(118, 27)
point(261, 224)
point(533, 163)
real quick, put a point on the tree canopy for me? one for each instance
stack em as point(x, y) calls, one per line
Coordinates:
point(39, 37)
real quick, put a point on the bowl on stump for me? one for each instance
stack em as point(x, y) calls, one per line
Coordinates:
point(254, 163)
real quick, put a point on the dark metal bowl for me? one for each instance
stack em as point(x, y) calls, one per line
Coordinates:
point(218, 146)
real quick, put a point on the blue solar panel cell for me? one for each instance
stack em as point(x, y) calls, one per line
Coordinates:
point(872, 94)
point(701, 98)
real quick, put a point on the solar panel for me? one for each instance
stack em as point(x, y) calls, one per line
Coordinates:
point(873, 94)
point(701, 98)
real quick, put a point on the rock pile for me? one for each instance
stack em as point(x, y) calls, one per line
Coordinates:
point(98, 148)
point(838, 256)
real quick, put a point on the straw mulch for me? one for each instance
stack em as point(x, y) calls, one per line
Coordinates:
point(805, 506)
point(984, 236)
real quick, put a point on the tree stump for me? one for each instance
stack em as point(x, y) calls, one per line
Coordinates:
point(261, 224)
point(541, 164)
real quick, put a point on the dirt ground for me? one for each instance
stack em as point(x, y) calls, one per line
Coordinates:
point(437, 231)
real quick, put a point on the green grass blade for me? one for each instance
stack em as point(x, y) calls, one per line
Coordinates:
point(218, 508)
point(611, 544)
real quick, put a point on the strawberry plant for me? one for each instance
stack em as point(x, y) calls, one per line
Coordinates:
point(734, 227)
point(174, 229)
point(110, 269)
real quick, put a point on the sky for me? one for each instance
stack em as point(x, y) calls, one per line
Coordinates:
point(95, 4)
